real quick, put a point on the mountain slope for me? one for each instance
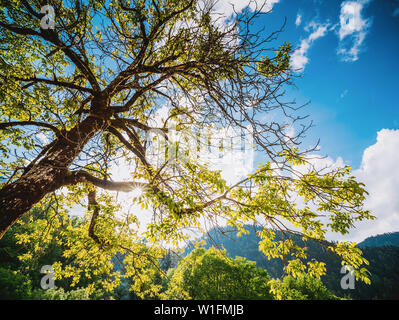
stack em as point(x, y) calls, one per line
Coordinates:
point(384, 263)
point(386, 239)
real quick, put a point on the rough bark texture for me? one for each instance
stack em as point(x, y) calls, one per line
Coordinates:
point(49, 174)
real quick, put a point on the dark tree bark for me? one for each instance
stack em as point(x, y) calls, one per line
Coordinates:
point(48, 174)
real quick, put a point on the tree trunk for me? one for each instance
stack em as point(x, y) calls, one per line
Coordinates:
point(47, 175)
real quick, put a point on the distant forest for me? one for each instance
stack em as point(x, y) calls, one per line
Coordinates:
point(381, 251)
point(386, 239)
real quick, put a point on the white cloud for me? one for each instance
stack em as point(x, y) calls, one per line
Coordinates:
point(298, 20)
point(350, 19)
point(379, 171)
point(227, 7)
point(320, 164)
point(299, 58)
point(353, 29)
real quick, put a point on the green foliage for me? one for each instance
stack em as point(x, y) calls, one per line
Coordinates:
point(304, 287)
point(29, 257)
point(20, 253)
point(77, 259)
point(273, 67)
point(14, 285)
point(384, 276)
point(60, 294)
point(383, 262)
point(211, 275)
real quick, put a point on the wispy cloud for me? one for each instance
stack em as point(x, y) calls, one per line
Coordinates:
point(343, 94)
point(353, 29)
point(299, 58)
point(298, 20)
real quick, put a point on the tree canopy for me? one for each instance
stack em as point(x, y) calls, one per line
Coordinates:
point(83, 97)
point(211, 275)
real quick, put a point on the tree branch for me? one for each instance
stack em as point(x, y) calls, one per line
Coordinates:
point(75, 177)
point(53, 38)
point(96, 210)
point(5, 125)
point(19, 30)
point(56, 83)
point(119, 122)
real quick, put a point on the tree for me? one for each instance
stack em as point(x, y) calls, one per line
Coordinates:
point(305, 288)
point(14, 285)
point(83, 94)
point(22, 261)
point(211, 275)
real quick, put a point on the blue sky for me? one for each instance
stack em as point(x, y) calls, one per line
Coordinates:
point(348, 55)
point(353, 94)
point(348, 52)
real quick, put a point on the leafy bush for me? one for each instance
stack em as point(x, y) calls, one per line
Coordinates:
point(305, 288)
point(61, 294)
point(14, 286)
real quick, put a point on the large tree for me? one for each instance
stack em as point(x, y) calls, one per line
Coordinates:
point(211, 275)
point(82, 88)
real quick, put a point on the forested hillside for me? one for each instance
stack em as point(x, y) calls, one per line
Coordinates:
point(386, 239)
point(384, 262)
point(21, 279)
